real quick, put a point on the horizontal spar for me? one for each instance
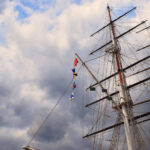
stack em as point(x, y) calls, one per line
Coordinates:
point(117, 37)
point(144, 47)
point(112, 94)
point(137, 83)
point(116, 92)
point(143, 29)
point(143, 121)
point(140, 71)
point(113, 21)
point(144, 101)
point(124, 69)
point(118, 124)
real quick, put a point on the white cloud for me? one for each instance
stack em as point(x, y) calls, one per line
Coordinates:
point(37, 57)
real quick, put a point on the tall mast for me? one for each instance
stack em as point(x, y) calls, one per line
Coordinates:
point(124, 104)
point(125, 99)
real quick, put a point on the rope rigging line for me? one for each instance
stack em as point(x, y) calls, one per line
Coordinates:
point(51, 111)
point(95, 138)
point(69, 118)
point(140, 141)
point(83, 103)
point(97, 123)
point(115, 135)
point(105, 109)
point(132, 69)
point(105, 104)
point(145, 133)
point(94, 58)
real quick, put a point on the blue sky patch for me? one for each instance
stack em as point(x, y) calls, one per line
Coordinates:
point(38, 5)
point(76, 1)
point(123, 10)
point(21, 12)
point(28, 3)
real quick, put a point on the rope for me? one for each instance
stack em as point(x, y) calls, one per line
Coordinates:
point(83, 104)
point(51, 111)
point(69, 119)
point(94, 58)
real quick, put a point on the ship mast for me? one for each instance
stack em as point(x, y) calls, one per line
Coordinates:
point(125, 99)
point(124, 104)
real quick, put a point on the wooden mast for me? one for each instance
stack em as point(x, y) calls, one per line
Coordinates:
point(124, 94)
point(125, 104)
point(119, 36)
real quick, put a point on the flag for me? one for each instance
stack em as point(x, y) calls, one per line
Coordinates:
point(73, 70)
point(74, 85)
point(75, 74)
point(75, 62)
point(71, 96)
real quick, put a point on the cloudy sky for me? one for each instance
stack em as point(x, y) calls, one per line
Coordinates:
point(38, 39)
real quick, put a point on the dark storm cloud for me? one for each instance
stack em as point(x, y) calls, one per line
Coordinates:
point(7, 110)
point(71, 139)
point(13, 144)
point(8, 141)
point(15, 111)
point(55, 81)
point(24, 112)
point(54, 129)
point(4, 90)
point(17, 116)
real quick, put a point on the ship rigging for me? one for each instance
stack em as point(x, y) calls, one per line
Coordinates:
point(115, 88)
